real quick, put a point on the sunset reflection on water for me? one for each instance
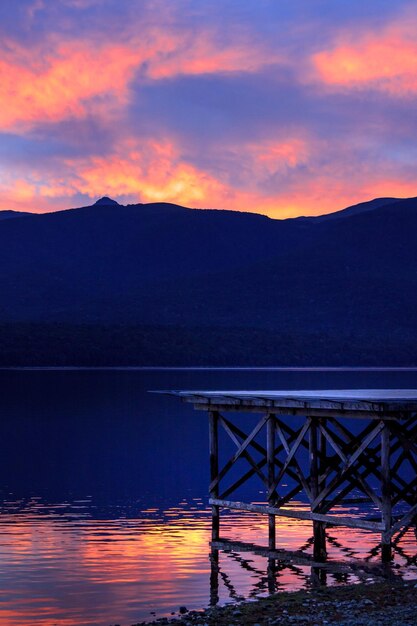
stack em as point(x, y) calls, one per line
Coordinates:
point(113, 537)
point(61, 565)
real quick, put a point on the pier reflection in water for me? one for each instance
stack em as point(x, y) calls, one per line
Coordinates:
point(354, 556)
point(62, 564)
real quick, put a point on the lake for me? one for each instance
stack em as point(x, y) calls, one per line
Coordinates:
point(104, 516)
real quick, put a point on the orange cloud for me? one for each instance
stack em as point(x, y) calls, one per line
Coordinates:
point(275, 155)
point(385, 61)
point(155, 171)
point(387, 187)
point(61, 84)
point(73, 78)
point(151, 170)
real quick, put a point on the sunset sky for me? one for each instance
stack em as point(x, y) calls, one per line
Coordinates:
point(283, 107)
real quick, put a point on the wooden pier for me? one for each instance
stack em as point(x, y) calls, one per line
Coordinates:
point(327, 445)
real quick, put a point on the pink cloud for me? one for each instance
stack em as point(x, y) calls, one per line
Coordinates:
point(384, 61)
point(59, 80)
point(202, 54)
point(60, 84)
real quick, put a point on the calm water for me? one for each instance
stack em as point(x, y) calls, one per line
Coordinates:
point(103, 500)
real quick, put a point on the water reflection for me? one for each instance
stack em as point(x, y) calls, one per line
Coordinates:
point(94, 532)
point(61, 565)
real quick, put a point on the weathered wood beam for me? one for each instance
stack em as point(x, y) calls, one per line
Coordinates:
point(402, 494)
point(404, 521)
point(259, 448)
point(297, 557)
point(272, 495)
point(406, 440)
point(214, 577)
point(297, 467)
point(349, 443)
point(365, 443)
point(322, 452)
point(214, 470)
point(293, 434)
point(319, 534)
point(340, 477)
point(332, 463)
point(332, 441)
point(239, 451)
point(334, 520)
point(240, 481)
point(340, 498)
point(245, 453)
point(386, 505)
point(228, 407)
point(313, 461)
point(409, 447)
point(292, 451)
point(400, 407)
point(358, 481)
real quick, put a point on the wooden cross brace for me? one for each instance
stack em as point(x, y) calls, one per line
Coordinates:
point(340, 461)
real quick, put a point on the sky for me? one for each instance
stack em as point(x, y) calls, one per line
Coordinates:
point(289, 107)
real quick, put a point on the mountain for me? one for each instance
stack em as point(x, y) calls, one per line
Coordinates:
point(106, 201)
point(362, 207)
point(7, 215)
point(163, 284)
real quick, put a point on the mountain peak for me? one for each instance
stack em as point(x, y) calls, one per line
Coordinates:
point(105, 200)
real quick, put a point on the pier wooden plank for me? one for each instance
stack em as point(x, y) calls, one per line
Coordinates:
point(375, 401)
point(335, 520)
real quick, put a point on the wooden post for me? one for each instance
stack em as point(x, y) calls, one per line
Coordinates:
point(270, 451)
point(318, 577)
point(322, 444)
point(214, 577)
point(271, 573)
point(386, 508)
point(214, 470)
point(319, 549)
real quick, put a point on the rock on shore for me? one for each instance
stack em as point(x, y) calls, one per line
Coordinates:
point(389, 603)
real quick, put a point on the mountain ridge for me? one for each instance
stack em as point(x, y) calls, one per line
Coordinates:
point(107, 202)
point(114, 284)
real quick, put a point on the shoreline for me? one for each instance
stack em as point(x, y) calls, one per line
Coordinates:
point(390, 603)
